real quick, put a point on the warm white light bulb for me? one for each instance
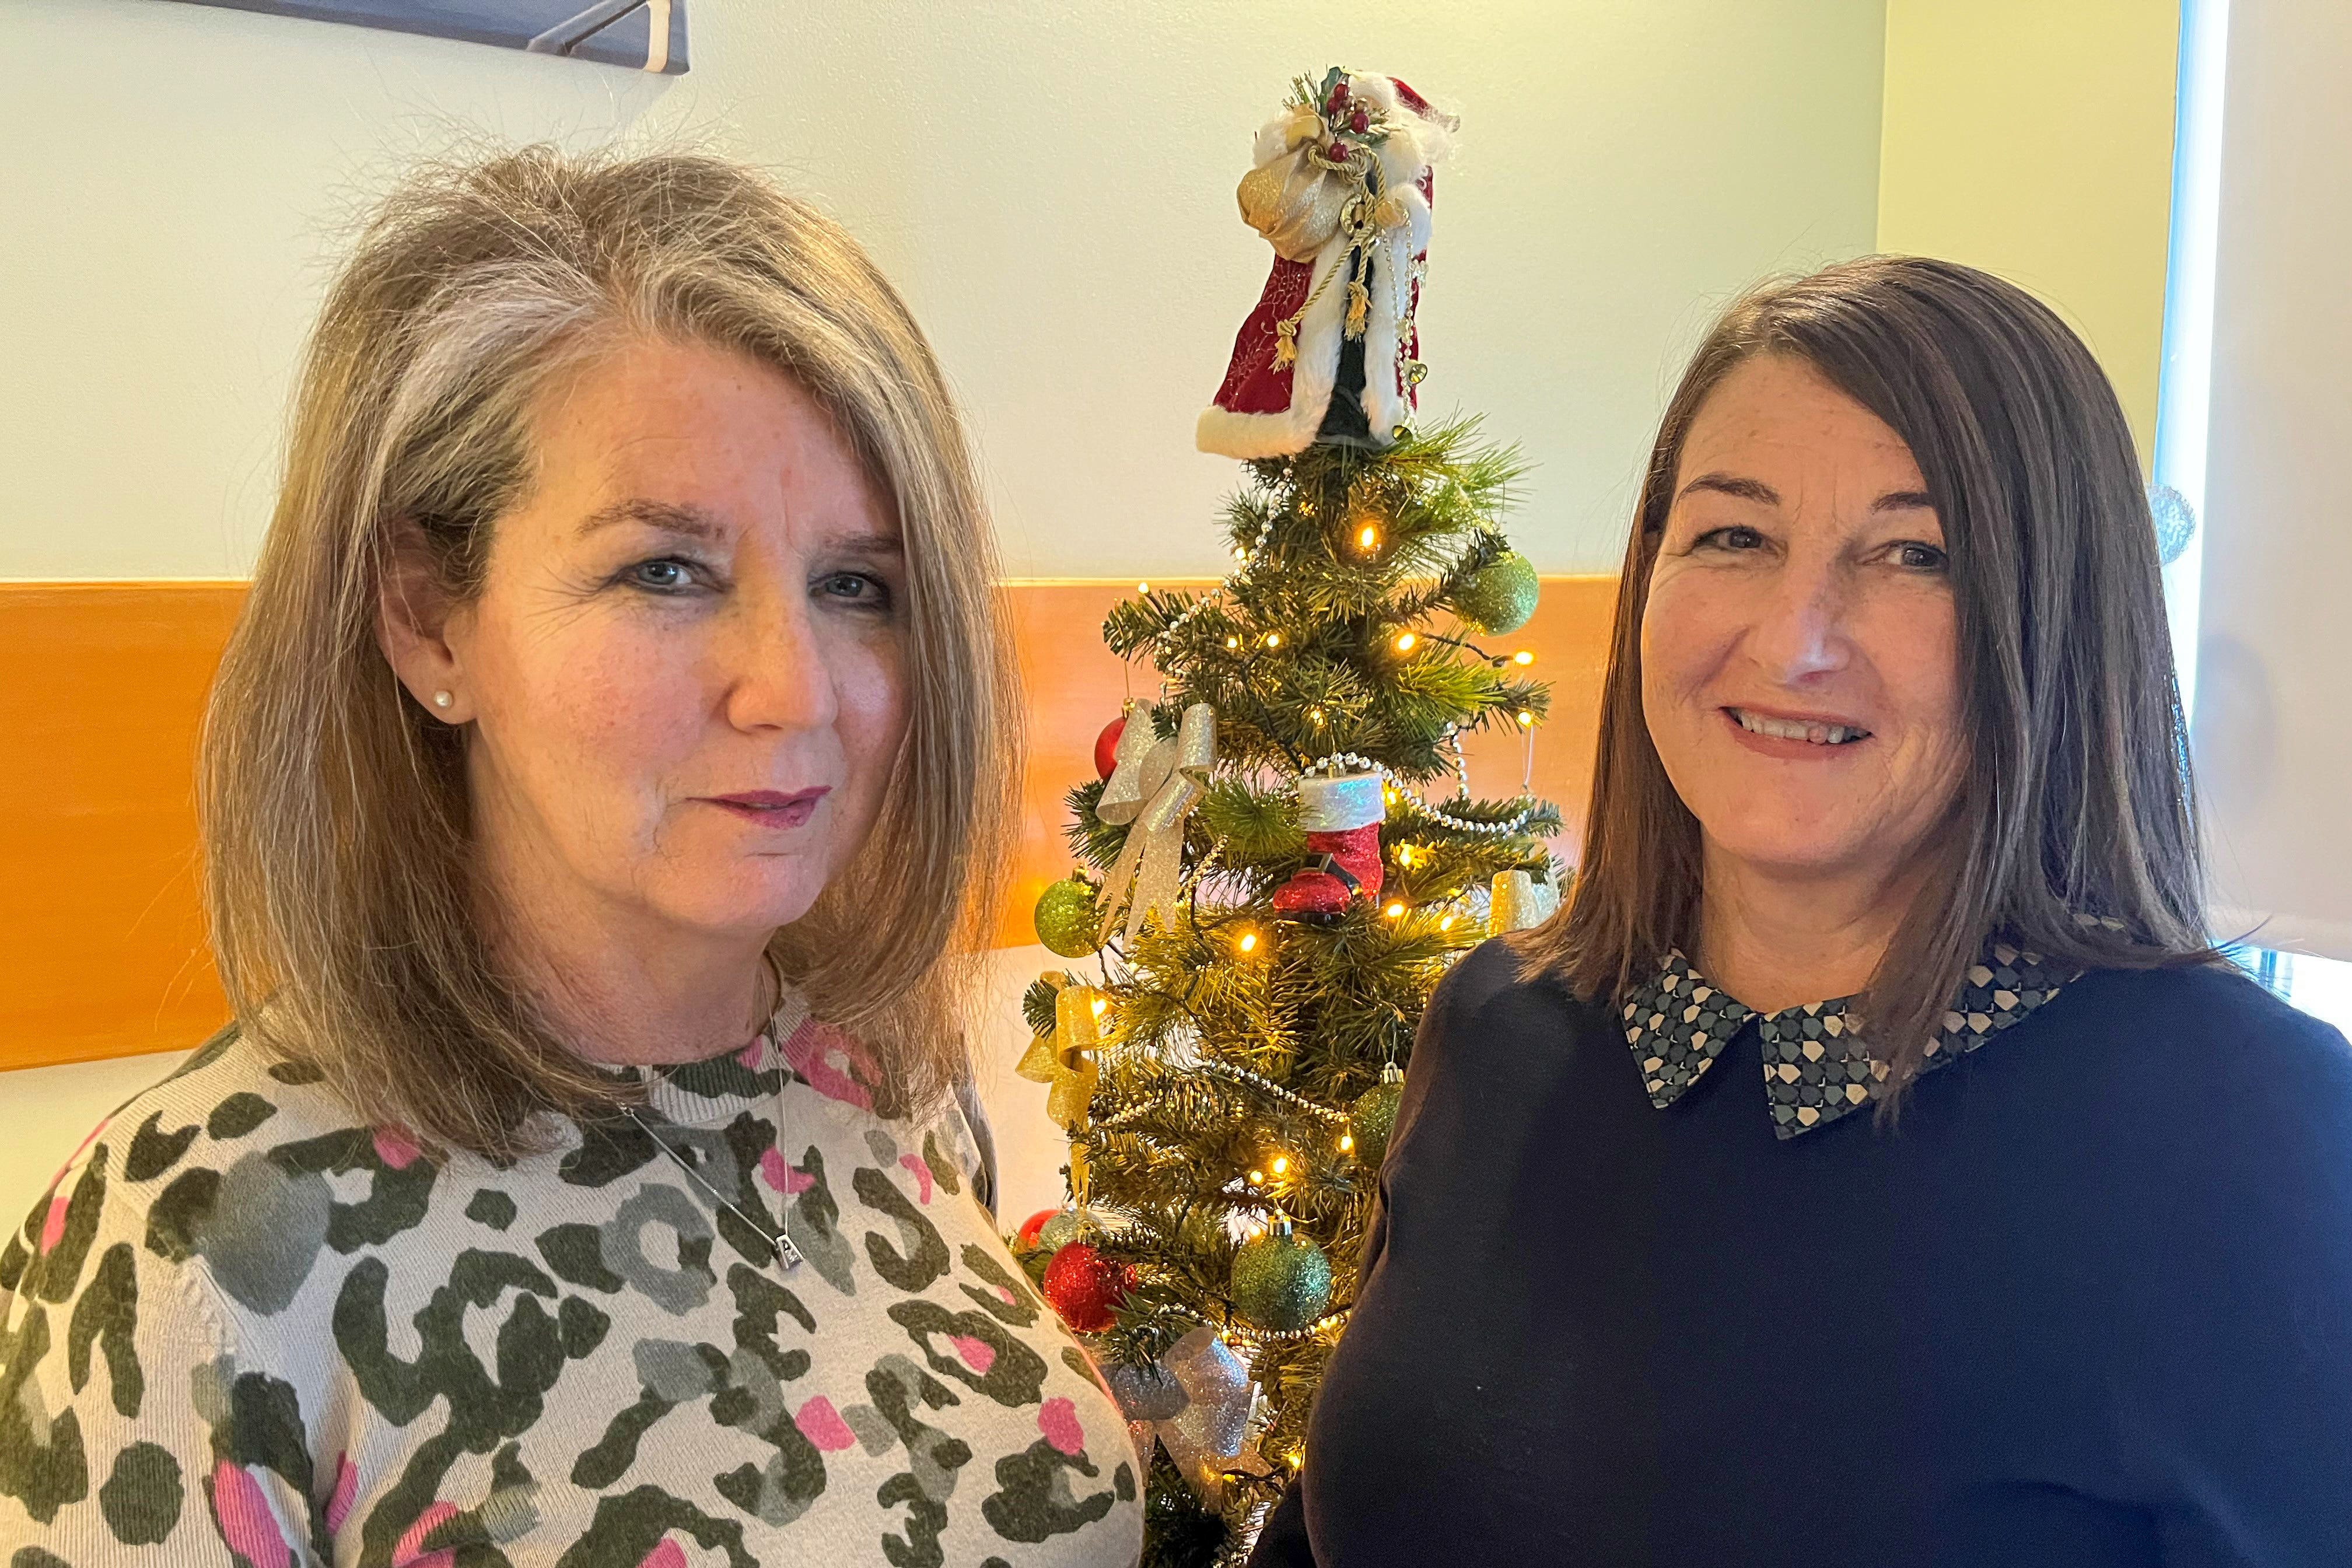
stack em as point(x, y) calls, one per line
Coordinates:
point(1369, 537)
point(1249, 941)
point(1526, 718)
point(1405, 642)
point(1274, 639)
point(1523, 657)
point(1101, 1006)
point(1281, 1163)
point(1395, 911)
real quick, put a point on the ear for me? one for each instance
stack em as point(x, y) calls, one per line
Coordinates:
point(413, 610)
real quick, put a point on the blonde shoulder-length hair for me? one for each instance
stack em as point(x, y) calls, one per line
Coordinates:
point(334, 812)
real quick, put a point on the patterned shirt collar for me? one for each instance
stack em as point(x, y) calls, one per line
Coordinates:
point(1816, 1064)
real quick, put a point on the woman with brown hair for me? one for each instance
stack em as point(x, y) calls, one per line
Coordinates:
point(600, 794)
point(1873, 1163)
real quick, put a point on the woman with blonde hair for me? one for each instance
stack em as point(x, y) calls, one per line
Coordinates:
point(610, 764)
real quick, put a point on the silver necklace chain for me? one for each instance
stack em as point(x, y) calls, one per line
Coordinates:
point(780, 1246)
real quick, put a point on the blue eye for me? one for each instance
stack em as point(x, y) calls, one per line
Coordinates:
point(1733, 537)
point(856, 589)
point(663, 574)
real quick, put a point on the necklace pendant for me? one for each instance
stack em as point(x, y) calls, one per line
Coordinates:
point(788, 1257)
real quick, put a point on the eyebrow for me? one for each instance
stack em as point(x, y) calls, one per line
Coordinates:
point(665, 515)
point(1757, 490)
point(696, 523)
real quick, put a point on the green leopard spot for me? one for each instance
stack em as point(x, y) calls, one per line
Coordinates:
point(921, 1256)
point(108, 1312)
point(609, 1458)
point(154, 1150)
point(628, 1527)
point(1015, 1374)
point(179, 1211)
point(582, 1326)
point(943, 1170)
point(491, 1207)
point(239, 1114)
point(43, 1469)
point(1122, 1482)
point(57, 1274)
point(1034, 1501)
point(577, 1255)
point(34, 1557)
point(1008, 1298)
point(296, 1073)
point(142, 1498)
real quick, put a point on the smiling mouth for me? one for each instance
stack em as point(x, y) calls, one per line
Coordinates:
point(1798, 729)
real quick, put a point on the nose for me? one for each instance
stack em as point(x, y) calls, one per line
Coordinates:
point(773, 666)
point(1800, 632)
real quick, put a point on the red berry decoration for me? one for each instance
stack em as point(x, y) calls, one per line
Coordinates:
point(1085, 1286)
point(1034, 1224)
point(1106, 747)
point(1359, 122)
point(1338, 95)
point(1336, 151)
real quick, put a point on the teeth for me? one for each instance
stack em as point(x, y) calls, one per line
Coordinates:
point(1792, 730)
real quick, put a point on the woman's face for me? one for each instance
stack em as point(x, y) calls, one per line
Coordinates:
point(685, 670)
point(1799, 650)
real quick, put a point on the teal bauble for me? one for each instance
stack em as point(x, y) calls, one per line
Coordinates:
point(1372, 1118)
point(1281, 1281)
point(1499, 596)
point(1068, 918)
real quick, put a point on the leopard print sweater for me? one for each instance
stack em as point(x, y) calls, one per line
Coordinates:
point(242, 1331)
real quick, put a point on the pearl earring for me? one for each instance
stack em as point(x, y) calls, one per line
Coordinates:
point(441, 699)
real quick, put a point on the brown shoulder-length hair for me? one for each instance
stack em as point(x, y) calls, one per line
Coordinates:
point(2077, 799)
point(339, 873)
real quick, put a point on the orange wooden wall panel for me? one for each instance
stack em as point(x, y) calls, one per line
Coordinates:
point(102, 686)
point(101, 938)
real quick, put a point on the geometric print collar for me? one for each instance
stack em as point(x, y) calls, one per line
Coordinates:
point(1817, 1067)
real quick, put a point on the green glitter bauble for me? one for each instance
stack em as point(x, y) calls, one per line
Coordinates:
point(1281, 1281)
point(1060, 1231)
point(1068, 918)
point(1372, 1118)
point(1499, 596)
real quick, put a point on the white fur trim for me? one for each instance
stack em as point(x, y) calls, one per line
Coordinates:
point(1318, 367)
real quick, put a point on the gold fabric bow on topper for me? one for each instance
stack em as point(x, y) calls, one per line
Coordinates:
point(1154, 787)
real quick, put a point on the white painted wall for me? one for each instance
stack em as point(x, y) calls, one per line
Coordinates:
point(1051, 183)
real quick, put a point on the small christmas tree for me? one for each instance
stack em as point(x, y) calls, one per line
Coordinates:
point(1273, 876)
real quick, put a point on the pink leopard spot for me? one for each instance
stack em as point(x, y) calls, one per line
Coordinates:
point(751, 1057)
point(780, 1177)
point(53, 1228)
point(1058, 1419)
point(1009, 1299)
point(393, 1148)
point(822, 1425)
point(922, 1175)
point(246, 1523)
point(347, 1484)
point(409, 1553)
point(667, 1554)
point(978, 1354)
point(836, 1066)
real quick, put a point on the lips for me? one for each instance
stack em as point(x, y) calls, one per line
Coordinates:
point(771, 808)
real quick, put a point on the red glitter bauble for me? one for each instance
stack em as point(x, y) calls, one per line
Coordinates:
point(1106, 747)
point(1085, 1286)
point(1034, 1224)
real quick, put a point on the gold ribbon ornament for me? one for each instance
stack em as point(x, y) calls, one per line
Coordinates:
point(1065, 1062)
point(1154, 790)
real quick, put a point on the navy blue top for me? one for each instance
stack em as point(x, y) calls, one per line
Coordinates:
point(2090, 1303)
